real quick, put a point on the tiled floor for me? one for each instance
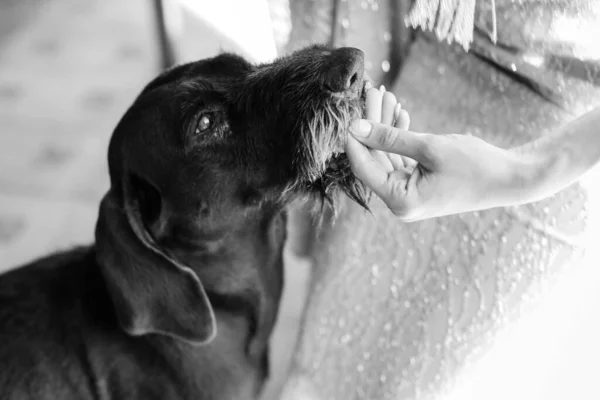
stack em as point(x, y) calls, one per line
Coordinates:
point(68, 71)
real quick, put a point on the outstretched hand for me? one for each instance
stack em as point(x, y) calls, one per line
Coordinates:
point(421, 175)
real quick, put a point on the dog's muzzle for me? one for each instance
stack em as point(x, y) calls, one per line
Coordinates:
point(344, 71)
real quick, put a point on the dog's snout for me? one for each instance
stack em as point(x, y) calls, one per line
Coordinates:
point(344, 70)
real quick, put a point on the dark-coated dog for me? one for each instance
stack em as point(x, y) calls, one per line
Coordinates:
point(178, 296)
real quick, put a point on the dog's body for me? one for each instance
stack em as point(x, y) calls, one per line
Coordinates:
point(178, 296)
point(60, 339)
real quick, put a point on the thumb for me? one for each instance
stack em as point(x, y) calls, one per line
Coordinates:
point(390, 139)
point(390, 187)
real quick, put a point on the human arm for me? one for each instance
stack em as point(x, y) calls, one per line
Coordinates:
point(558, 160)
point(461, 173)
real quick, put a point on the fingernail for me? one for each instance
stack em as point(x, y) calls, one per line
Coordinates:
point(360, 128)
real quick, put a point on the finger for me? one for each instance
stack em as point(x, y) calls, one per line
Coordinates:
point(390, 187)
point(373, 113)
point(409, 163)
point(384, 137)
point(365, 167)
point(373, 105)
point(388, 106)
point(402, 119)
point(398, 197)
point(396, 161)
point(383, 159)
point(397, 185)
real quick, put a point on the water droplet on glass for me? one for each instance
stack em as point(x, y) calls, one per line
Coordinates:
point(375, 271)
point(518, 276)
point(385, 66)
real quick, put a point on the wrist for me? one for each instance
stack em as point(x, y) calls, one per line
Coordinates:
point(526, 176)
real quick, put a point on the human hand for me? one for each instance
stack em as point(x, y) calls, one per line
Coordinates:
point(421, 175)
point(382, 106)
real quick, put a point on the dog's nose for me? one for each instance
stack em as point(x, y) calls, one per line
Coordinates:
point(344, 70)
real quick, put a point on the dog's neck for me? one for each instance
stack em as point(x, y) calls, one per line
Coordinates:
point(260, 248)
point(253, 252)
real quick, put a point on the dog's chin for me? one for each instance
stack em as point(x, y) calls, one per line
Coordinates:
point(338, 178)
point(325, 168)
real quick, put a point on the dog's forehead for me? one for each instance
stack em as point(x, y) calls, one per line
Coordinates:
point(222, 67)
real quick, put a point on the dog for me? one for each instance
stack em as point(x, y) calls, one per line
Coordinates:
point(177, 297)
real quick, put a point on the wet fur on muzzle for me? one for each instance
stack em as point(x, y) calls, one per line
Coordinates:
point(323, 165)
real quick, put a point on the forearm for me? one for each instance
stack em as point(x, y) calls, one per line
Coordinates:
point(550, 164)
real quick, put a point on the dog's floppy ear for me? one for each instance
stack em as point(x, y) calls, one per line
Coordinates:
point(151, 291)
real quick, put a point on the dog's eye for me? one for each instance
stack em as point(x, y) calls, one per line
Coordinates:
point(204, 123)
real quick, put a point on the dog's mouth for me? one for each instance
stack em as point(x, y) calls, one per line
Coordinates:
point(327, 128)
point(326, 167)
point(356, 110)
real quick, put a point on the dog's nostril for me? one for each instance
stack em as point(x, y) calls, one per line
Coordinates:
point(353, 80)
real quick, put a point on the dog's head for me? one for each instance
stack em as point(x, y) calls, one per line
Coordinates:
point(201, 167)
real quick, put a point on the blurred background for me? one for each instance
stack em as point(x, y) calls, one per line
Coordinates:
point(68, 71)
